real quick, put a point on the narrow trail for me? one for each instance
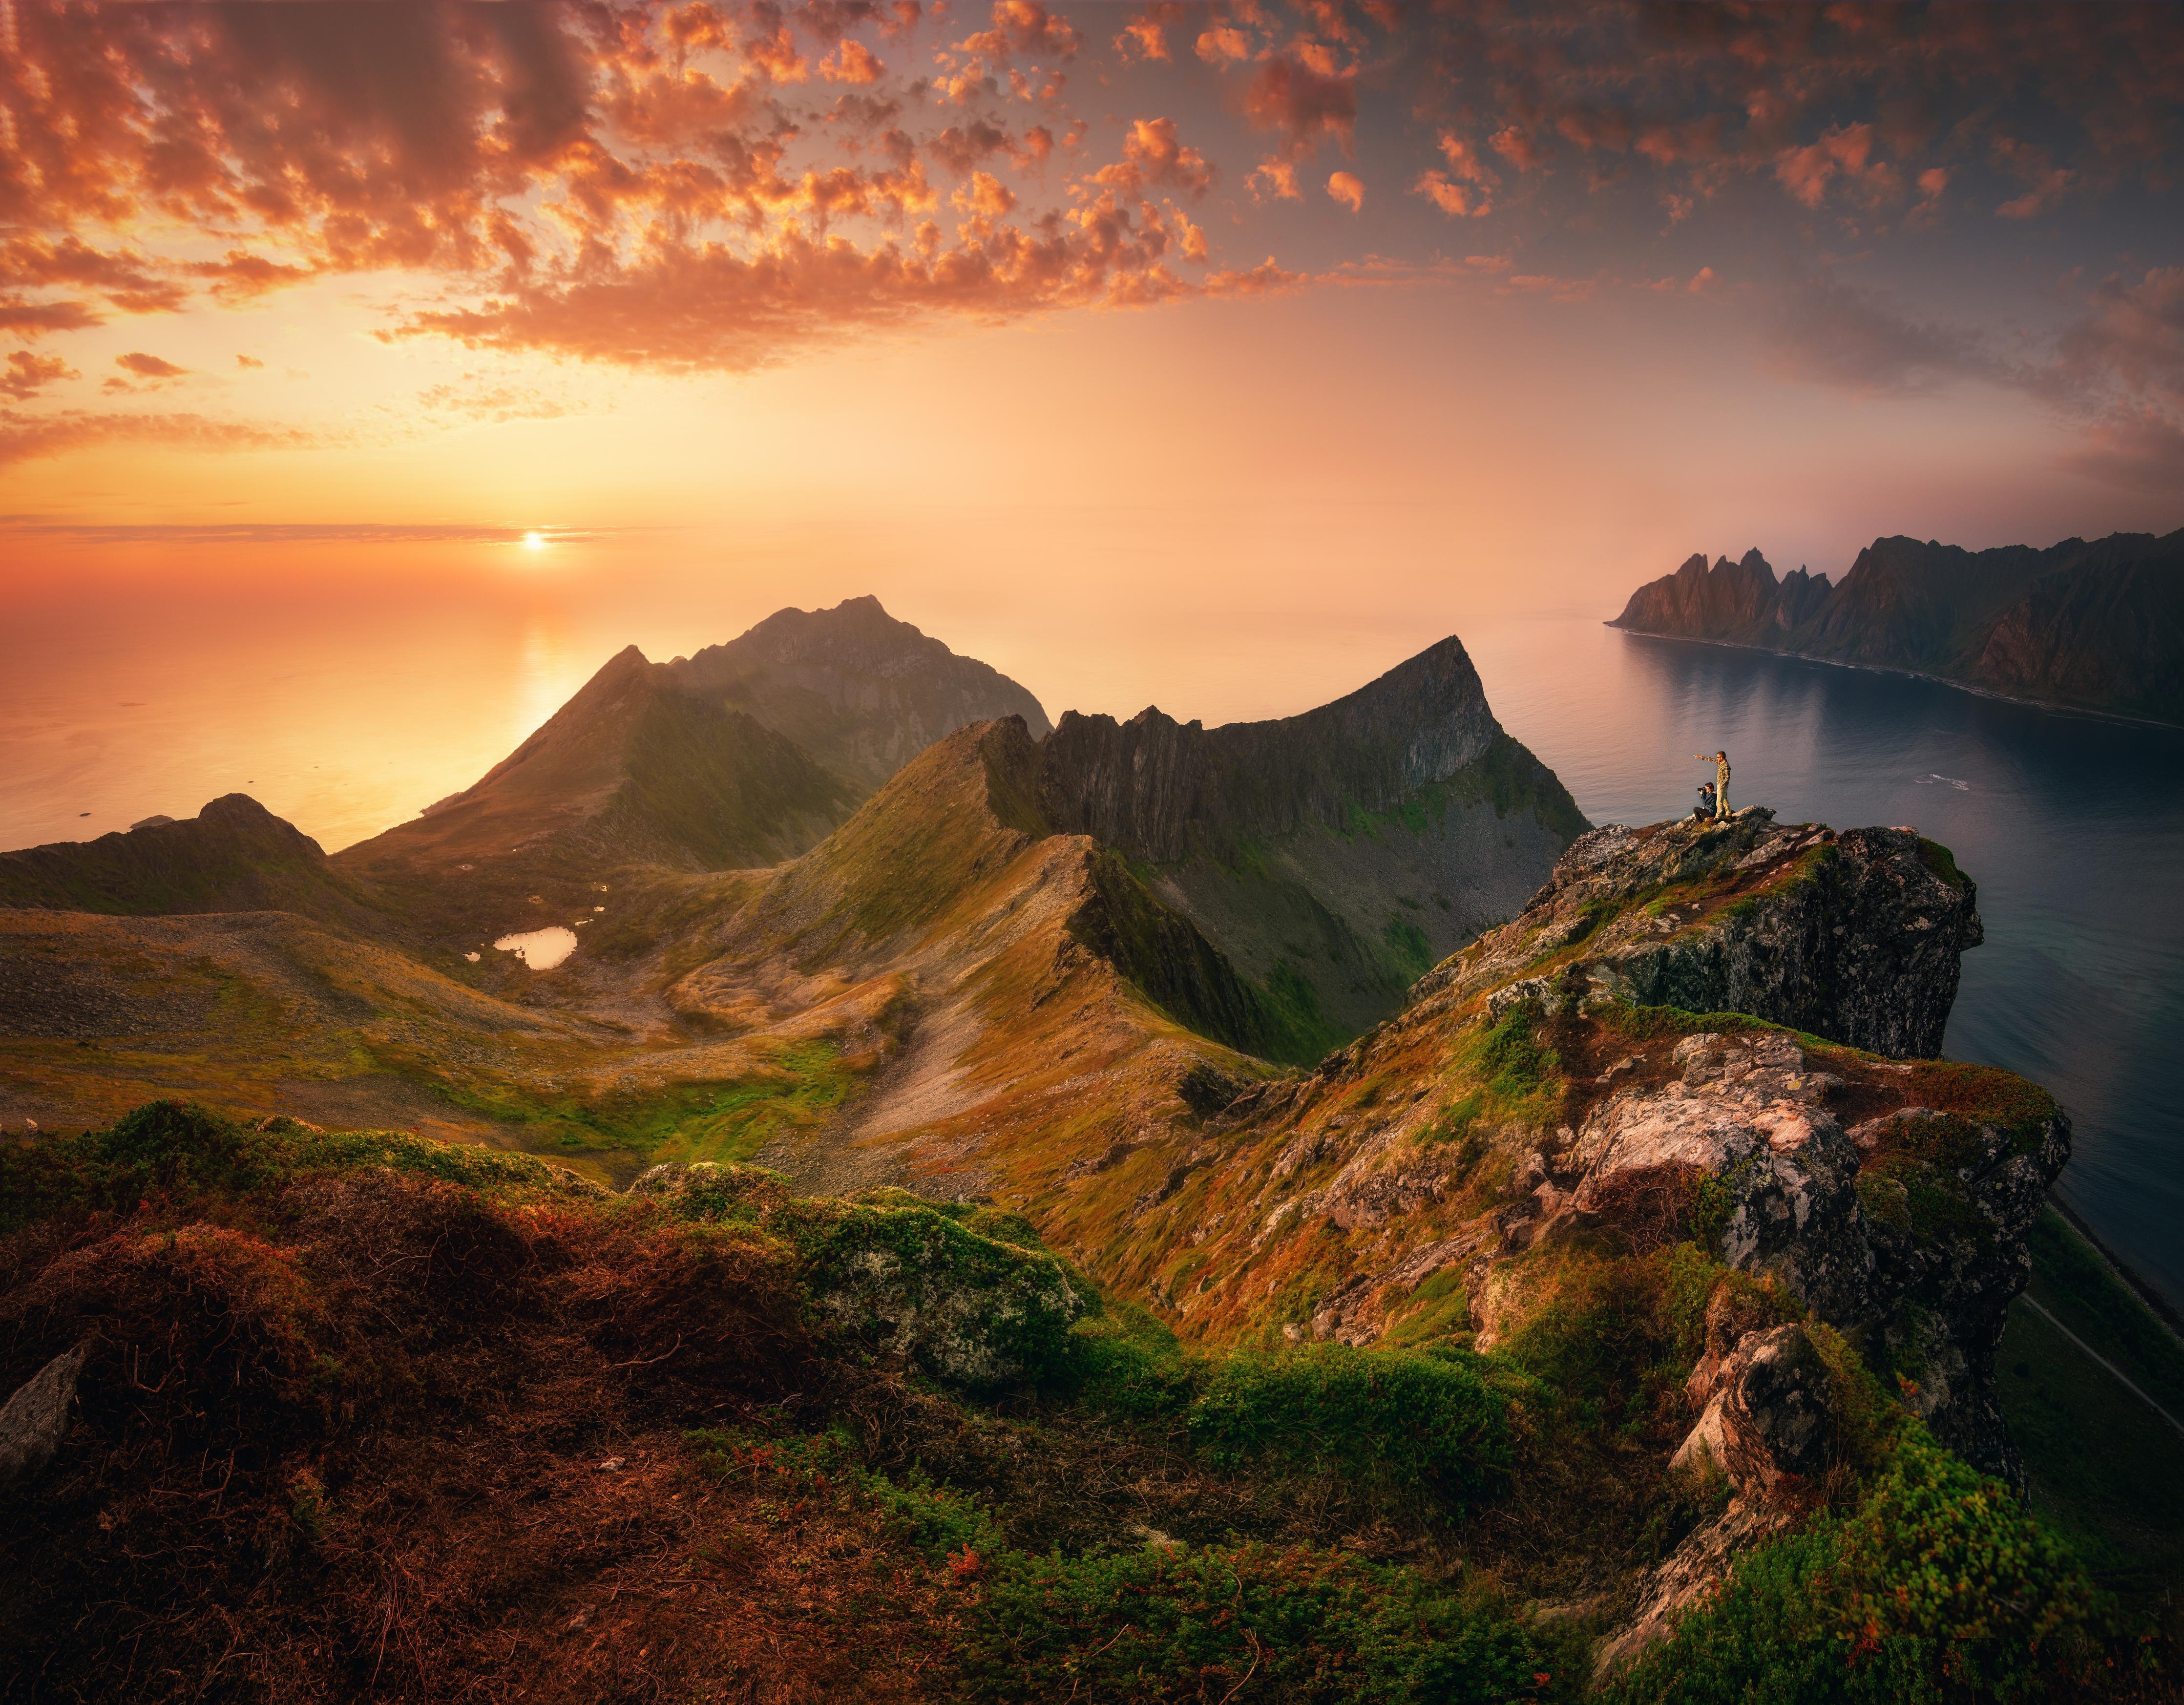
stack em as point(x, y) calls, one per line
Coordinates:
point(2122, 1379)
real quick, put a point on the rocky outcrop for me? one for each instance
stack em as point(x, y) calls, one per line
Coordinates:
point(36, 1418)
point(1738, 602)
point(1827, 1214)
point(1856, 936)
point(2097, 624)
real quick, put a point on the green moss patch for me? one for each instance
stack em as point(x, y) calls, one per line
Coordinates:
point(1411, 1419)
point(178, 1150)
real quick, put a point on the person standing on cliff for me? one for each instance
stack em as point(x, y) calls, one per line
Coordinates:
point(1721, 761)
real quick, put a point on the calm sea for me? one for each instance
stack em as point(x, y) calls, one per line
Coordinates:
point(348, 716)
point(2072, 827)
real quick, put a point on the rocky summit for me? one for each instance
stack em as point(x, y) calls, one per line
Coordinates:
point(967, 1210)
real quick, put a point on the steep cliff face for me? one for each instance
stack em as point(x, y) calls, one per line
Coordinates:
point(858, 690)
point(1163, 790)
point(1334, 855)
point(1855, 937)
point(2109, 637)
point(2097, 624)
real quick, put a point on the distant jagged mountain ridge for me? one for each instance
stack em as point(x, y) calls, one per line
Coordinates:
point(2095, 625)
point(234, 855)
point(1334, 855)
point(858, 690)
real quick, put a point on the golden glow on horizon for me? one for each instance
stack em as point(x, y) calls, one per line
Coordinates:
point(534, 541)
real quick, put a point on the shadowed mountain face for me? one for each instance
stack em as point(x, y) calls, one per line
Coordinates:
point(630, 770)
point(1334, 855)
point(861, 691)
point(746, 754)
point(234, 855)
point(2097, 626)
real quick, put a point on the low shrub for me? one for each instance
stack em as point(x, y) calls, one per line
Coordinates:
point(1126, 1363)
point(180, 1150)
point(1168, 1622)
point(1407, 1418)
point(1941, 1587)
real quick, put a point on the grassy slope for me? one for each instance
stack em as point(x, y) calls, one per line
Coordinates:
point(279, 1016)
point(2107, 1470)
point(1331, 927)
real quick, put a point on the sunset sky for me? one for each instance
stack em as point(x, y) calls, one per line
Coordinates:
point(1101, 340)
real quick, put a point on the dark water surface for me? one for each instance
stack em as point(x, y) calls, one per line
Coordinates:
point(2073, 827)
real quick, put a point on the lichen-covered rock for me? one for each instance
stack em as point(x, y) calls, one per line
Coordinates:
point(1769, 1414)
point(36, 1418)
point(1908, 1230)
point(972, 1310)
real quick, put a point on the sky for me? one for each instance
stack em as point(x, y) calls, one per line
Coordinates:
point(1212, 355)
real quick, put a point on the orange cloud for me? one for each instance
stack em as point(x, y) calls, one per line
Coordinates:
point(1307, 107)
point(2048, 183)
point(986, 195)
point(1153, 147)
point(1224, 45)
point(1462, 190)
point(852, 61)
point(26, 374)
point(1515, 145)
point(1278, 177)
point(774, 56)
point(148, 366)
point(1842, 155)
point(545, 167)
point(1146, 38)
point(32, 318)
point(1022, 26)
point(1347, 188)
point(24, 437)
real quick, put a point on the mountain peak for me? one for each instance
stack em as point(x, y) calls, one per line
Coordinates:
point(234, 855)
point(859, 689)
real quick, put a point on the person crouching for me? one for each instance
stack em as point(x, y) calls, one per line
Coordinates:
point(1720, 781)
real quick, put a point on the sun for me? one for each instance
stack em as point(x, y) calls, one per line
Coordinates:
point(534, 541)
